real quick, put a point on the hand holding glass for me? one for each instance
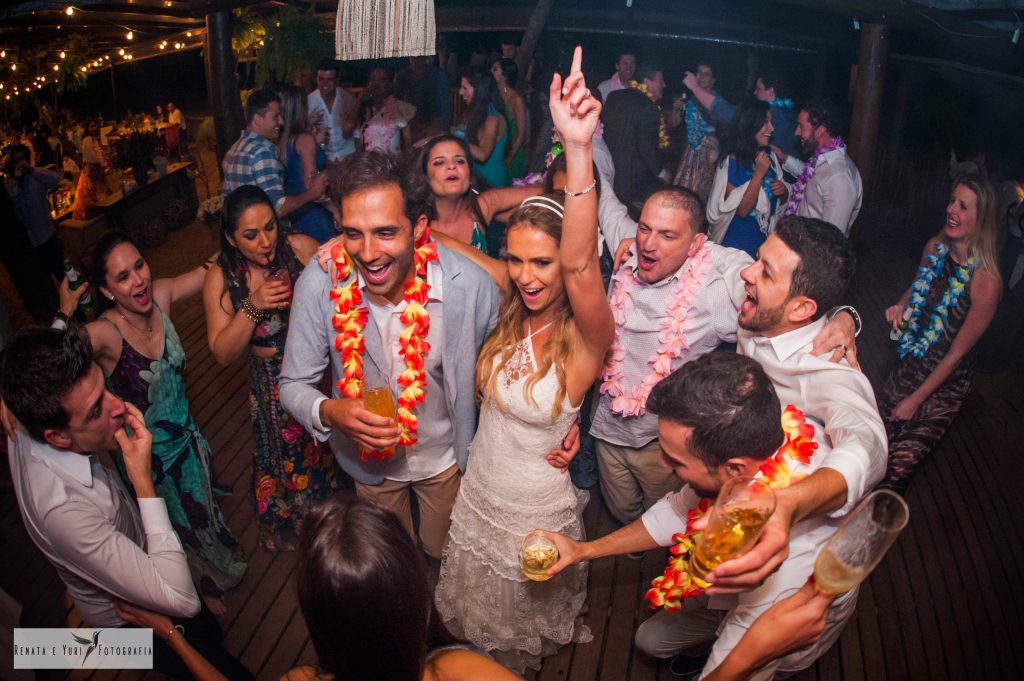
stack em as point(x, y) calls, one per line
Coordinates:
point(380, 401)
point(537, 555)
point(741, 511)
point(850, 555)
point(279, 274)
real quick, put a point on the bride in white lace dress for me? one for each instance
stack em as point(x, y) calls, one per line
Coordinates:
point(553, 331)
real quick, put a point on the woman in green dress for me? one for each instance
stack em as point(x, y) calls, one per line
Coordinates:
point(506, 74)
point(139, 351)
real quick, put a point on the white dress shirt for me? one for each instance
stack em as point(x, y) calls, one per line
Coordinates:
point(338, 146)
point(710, 320)
point(835, 192)
point(838, 401)
point(86, 523)
point(434, 451)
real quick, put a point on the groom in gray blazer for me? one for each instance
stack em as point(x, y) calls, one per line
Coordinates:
point(384, 211)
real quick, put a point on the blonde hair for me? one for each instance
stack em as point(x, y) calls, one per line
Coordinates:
point(295, 112)
point(984, 244)
point(513, 314)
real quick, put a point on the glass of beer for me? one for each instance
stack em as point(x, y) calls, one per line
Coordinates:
point(861, 542)
point(380, 400)
point(741, 511)
point(537, 555)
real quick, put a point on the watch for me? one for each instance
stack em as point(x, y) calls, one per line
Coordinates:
point(830, 315)
point(60, 321)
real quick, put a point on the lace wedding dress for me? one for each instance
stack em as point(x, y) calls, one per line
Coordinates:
point(510, 489)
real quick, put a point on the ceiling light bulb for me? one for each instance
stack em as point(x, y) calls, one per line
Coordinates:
point(131, 35)
point(3, 53)
point(62, 54)
point(56, 68)
point(188, 33)
point(14, 67)
point(121, 52)
point(70, 10)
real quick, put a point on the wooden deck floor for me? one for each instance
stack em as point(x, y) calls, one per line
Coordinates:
point(945, 604)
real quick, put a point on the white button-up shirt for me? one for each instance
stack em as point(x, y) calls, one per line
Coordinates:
point(434, 451)
point(838, 401)
point(338, 146)
point(835, 192)
point(85, 522)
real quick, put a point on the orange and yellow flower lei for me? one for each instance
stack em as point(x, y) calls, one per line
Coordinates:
point(670, 589)
point(349, 320)
point(662, 128)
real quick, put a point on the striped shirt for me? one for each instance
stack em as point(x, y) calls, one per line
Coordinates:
point(252, 159)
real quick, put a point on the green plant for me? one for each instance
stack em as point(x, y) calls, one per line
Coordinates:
point(296, 40)
point(247, 29)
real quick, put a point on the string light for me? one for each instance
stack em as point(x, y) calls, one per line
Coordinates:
point(121, 52)
point(56, 67)
point(62, 54)
point(3, 54)
point(131, 35)
point(14, 67)
point(188, 33)
point(70, 10)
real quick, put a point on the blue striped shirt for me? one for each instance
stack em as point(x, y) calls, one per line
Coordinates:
point(252, 159)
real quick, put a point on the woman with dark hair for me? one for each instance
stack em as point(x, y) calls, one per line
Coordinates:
point(748, 193)
point(365, 599)
point(506, 75)
point(303, 159)
point(139, 351)
point(460, 211)
point(92, 182)
point(383, 119)
point(697, 166)
point(553, 332)
point(939, 321)
point(484, 127)
point(246, 295)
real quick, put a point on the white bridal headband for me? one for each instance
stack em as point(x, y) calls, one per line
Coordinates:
point(545, 202)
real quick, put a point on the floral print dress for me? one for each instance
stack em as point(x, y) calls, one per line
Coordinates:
point(291, 470)
point(182, 473)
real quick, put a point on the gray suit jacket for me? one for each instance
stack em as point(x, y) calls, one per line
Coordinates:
point(471, 301)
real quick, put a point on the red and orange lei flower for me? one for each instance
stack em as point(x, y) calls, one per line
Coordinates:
point(670, 589)
point(349, 321)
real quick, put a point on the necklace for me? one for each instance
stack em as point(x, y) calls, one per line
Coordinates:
point(796, 197)
point(917, 339)
point(628, 401)
point(148, 330)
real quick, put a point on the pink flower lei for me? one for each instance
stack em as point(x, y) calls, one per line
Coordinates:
point(796, 196)
point(632, 400)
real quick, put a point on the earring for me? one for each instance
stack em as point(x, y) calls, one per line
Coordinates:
point(111, 297)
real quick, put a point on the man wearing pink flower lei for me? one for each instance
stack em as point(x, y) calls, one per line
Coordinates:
point(828, 185)
point(676, 298)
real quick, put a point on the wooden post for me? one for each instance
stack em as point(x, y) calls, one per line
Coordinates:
point(222, 81)
point(867, 97)
point(532, 36)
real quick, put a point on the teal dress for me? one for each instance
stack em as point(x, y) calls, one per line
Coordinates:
point(493, 169)
point(182, 473)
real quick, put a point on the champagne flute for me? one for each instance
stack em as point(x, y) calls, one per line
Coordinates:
point(740, 513)
point(866, 534)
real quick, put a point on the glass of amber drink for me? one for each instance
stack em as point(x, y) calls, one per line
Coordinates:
point(537, 555)
point(741, 511)
point(861, 542)
point(380, 401)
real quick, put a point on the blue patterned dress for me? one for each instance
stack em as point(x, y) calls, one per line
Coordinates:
point(181, 460)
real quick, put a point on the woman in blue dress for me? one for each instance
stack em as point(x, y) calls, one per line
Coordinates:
point(748, 192)
point(303, 160)
point(139, 351)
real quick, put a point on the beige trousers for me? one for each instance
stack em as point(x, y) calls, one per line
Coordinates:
point(633, 479)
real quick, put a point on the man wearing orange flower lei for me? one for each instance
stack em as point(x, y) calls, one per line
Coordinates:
point(408, 315)
point(803, 267)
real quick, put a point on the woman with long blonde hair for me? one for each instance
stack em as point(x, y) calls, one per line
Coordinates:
point(938, 322)
point(553, 332)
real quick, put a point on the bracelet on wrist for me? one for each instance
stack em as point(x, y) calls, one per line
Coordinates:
point(251, 312)
point(586, 190)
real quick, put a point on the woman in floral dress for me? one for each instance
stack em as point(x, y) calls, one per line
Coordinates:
point(939, 320)
point(247, 314)
point(139, 351)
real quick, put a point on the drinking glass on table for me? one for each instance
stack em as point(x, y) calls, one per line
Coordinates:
point(741, 511)
point(850, 555)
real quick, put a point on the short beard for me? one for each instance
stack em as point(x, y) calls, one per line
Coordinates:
point(808, 146)
point(763, 320)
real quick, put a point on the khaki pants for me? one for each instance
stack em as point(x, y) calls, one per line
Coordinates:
point(435, 495)
point(633, 479)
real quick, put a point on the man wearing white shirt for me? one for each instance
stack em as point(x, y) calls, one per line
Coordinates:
point(833, 192)
point(803, 267)
point(336, 108)
point(77, 511)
